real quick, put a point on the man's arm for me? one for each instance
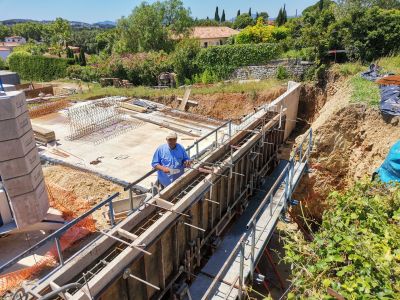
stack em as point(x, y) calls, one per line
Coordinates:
point(156, 162)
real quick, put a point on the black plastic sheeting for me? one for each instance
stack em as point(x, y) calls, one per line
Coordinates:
point(390, 94)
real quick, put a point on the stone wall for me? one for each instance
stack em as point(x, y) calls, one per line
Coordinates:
point(295, 68)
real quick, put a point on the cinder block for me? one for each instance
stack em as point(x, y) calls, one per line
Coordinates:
point(5, 210)
point(19, 166)
point(15, 128)
point(30, 208)
point(12, 105)
point(24, 184)
point(17, 148)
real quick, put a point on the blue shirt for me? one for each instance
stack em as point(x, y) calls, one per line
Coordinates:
point(172, 159)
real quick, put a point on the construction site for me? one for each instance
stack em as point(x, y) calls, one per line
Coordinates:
point(83, 215)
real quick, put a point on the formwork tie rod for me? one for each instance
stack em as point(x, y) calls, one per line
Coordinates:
point(195, 227)
point(126, 243)
point(208, 200)
point(127, 274)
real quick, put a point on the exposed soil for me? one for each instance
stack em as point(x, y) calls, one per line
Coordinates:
point(350, 143)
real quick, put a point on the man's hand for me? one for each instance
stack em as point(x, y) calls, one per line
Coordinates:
point(187, 164)
point(162, 169)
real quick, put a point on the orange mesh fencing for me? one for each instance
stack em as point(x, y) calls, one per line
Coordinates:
point(70, 206)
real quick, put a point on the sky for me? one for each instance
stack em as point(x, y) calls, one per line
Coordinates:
point(111, 10)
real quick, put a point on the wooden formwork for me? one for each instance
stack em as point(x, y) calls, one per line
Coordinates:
point(179, 225)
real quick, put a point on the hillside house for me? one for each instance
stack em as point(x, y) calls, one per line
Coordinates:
point(15, 39)
point(212, 35)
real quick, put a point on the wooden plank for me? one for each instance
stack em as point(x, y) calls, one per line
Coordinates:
point(185, 99)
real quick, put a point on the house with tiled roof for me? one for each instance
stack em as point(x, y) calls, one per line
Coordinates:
point(212, 35)
point(15, 39)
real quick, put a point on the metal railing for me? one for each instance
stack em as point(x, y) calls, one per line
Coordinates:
point(299, 159)
point(56, 236)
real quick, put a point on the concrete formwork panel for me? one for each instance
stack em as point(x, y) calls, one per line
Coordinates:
point(17, 148)
point(15, 128)
point(24, 184)
point(19, 166)
point(30, 208)
point(12, 105)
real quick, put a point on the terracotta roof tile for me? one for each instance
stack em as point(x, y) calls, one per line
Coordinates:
point(213, 32)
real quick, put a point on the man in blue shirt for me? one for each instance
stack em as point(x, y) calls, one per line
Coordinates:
point(170, 161)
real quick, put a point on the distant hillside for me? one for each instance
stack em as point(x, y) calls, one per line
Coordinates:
point(74, 24)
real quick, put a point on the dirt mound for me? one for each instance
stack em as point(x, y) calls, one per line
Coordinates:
point(233, 105)
point(349, 145)
point(85, 186)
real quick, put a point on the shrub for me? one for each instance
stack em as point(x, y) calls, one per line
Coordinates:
point(38, 68)
point(223, 60)
point(282, 73)
point(86, 73)
point(356, 251)
point(261, 33)
point(3, 65)
point(206, 77)
point(184, 59)
point(140, 68)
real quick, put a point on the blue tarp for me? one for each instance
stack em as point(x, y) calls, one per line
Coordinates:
point(390, 99)
point(390, 169)
point(390, 94)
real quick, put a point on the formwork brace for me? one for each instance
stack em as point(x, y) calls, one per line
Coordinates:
point(127, 274)
point(126, 243)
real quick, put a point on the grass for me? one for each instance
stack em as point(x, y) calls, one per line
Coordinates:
point(364, 91)
point(95, 91)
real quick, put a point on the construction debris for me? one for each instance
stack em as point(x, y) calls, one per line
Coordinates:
point(43, 135)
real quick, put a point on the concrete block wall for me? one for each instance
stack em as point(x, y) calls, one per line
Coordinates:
point(295, 68)
point(20, 167)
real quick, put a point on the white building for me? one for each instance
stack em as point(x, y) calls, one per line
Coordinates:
point(15, 39)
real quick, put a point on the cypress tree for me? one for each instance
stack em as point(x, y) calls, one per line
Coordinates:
point(257, 15)
point(82, 58)
point(223, 16)
point(278, 19)
point(238, 13)
point(284, 15)
point(321, 5)
point(216, 17)
point(77, 60)
point(250, 12)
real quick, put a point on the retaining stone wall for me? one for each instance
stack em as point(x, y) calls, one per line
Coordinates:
point(295, 68)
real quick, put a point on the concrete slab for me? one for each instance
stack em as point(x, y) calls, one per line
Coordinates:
point(126, 156)
point(12, 105)
point(15, 128)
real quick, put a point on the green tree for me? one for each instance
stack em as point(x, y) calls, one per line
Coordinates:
point(82, 57)
point(250, 12)
point(29, 30)
point(238, 13)
point(175, 16)
point(61, 32)
point(264, 15)
point(216, 16)
point(243, 21)
point(223, 16)
point(321, 5)
point(184, 59)
point(105, 40)
point(279, 18)
point(4, 31)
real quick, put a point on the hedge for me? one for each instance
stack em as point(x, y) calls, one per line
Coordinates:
point(223, 60)
point(38, 68)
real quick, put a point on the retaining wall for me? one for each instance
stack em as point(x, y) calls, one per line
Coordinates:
point(295, 68)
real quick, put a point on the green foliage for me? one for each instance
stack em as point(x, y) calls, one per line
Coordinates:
point(261, 33)
point(32, 48)
point(282, 73)
point(216, 16)
point(69, 53)
point(3, 65)
point(29, 30)
point(302, 54)
point(243, 21)
point(85, 39)
point(4, 31)
point(206, 77)
point(140, 68)
point(87, 73)
point(264, 15)
point(238, 13)
point(223, 17)
point(223, 60)
point(82, 57)
point(356, 251)
point(105, 40)
point(184, 59)
point(38, 68)
point(148, 27)
point(364, 91)
point(281, 19)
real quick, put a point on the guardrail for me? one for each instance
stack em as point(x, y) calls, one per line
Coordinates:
point(57, 235)
point(300, 157)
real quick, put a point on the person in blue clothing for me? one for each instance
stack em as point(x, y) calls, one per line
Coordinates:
point(170, 161)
